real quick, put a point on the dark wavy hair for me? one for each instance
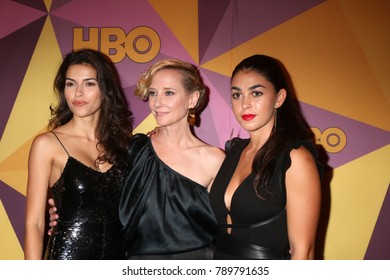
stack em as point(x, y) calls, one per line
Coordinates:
point(290, 123)
point(115, 120)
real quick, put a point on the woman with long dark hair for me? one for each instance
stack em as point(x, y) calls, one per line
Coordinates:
point(266, 196)
point(81, 161)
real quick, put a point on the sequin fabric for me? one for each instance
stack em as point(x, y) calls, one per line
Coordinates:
point(87, 203)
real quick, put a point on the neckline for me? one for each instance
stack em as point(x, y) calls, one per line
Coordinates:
point(82, 164)
point(170, 168)
point(237, 159)
point(89, 167)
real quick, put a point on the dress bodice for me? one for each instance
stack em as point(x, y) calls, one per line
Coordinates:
point(254, 220)
point(82, 193)
point(163, 212)
point(87, 203)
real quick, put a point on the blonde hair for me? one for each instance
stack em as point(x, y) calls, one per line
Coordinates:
point(191, 79)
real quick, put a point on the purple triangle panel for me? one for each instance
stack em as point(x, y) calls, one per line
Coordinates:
point(379, 246)
point(361, 138)
point(14, 204)
point(63, 30)
point(16, 50)
point(221, 107)
point(36, 4)
point(248, 19)
point(220, 82)
point(221, 40)
point(206, 130)
point(209, 129)
point(267, 15)
point(59, 3)
point(208, 23)
point(221, 114)
point(122, 13)
point(15, 16)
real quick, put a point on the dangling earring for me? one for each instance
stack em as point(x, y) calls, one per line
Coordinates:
point(191, 118)
point(275, 118)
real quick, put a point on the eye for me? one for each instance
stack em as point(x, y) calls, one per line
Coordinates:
point(151, 93)
point(169, 93)
point(236, 95)
point(69, 84)
point(90, 84)
point(257, 93)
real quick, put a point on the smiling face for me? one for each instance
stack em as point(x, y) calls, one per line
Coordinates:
point(82, 92)
point(168, 99)
point(254, 101)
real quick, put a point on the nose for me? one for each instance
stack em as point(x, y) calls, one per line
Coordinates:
point(79, 91)
point(157, 102)
point(246, 102)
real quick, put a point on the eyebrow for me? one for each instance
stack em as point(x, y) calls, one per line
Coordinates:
point(164, 88)
point(250, 88)
point(87, 79)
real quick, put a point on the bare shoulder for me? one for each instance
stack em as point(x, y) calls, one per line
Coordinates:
point(301, 156)
point(213, 149)
point(303, 166)
point(45, 143)
point(213, 154)
point(43, 139)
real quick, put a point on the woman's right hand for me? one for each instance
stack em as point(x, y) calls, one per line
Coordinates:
point(153, 132)
point(53, 216)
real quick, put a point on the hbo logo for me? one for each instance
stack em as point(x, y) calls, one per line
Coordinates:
point(142, 44)
point(333, 139)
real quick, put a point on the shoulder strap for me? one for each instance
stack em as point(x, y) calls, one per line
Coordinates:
point(60, 142)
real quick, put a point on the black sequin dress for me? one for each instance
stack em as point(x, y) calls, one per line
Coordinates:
point(87, 204)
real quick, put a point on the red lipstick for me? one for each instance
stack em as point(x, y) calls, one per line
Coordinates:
point(248, 117)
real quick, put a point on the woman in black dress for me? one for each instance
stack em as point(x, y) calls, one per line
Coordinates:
point(165, 206)
point(82, 159)
point(266, 196)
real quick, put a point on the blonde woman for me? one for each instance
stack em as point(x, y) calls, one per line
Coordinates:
point(165, 206)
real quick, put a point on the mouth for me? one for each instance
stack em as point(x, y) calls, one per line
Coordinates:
point(79, 103)
point(158, 114)
point(248, 117)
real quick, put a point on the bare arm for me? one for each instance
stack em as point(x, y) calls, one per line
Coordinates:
point(39, 170)
point(214, 163)
point(303, 203)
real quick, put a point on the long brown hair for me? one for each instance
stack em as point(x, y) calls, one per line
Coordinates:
point(115, 121)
